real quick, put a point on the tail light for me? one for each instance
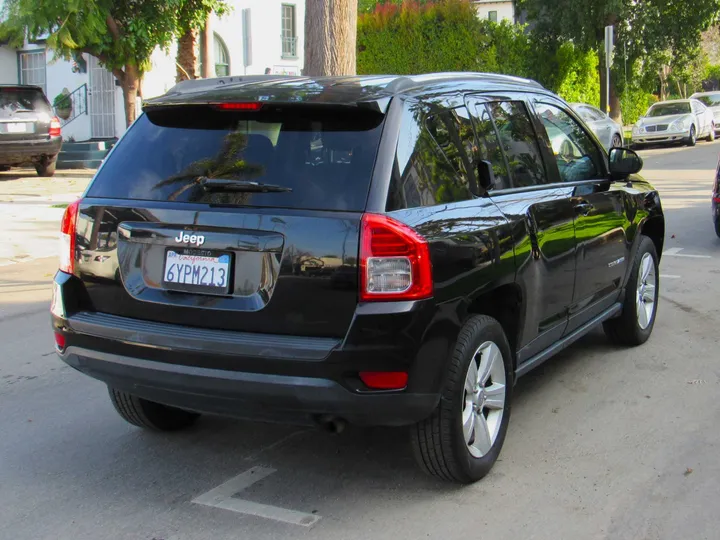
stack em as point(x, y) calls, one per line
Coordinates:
point(240, 106)
point(394, 261)
point(68, 229)
point(55, 129)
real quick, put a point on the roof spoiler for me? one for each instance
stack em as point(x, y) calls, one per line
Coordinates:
point(197, 85)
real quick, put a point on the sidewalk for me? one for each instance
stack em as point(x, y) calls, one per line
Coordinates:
point(31, 209)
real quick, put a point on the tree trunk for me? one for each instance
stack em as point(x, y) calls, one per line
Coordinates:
point(130, 83)
point(330, 37)
point(186, 61)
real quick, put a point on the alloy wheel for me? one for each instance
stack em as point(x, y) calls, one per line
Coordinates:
point(646, 291)
point(483, 399)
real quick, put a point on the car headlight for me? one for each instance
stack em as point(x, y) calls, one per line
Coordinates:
point(637, 129)
point(682, 124)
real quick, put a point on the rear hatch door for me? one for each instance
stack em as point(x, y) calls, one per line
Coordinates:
point(25, 114)
point(231, 219)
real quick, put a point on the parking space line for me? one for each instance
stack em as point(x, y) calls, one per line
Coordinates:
point(223, 497)
point(670, 276)
point(675, 252)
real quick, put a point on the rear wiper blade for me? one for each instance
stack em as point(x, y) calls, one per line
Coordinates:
point(247, 186)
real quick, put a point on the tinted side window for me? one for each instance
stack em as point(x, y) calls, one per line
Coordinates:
point(453, 133)
point(576, 155)
point(489, 148)
point(423, 174)
point(519, 142)
point(590, 115)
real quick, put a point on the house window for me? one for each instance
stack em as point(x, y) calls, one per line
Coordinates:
point(222, 58)
point(492, 16)
point(32, 68)
point(289, 33)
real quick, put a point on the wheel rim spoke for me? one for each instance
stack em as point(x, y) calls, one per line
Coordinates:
point(468, 421)
point(482, 442)
point(495, 396)
point(471, 379)
point(487, 357)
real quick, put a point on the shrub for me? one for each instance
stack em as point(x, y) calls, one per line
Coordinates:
point(634, 103)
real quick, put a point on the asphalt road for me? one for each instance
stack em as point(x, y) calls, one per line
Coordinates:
point(604, 442)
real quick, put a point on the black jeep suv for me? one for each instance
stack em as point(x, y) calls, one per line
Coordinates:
point(29, 130)
point(373, 250)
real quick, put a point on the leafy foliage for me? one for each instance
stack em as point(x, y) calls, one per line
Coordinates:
point(448, 36)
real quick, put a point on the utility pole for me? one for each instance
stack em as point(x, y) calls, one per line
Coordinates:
point(609, 47)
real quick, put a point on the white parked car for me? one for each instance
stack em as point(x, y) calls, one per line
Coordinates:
point(712, 101)
point(607, 130)
point(682, 120)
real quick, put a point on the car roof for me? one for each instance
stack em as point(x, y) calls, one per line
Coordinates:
point(350, 90)
point(700, 94)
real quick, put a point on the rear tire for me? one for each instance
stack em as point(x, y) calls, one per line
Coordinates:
point(634, 326)
point(148, 414)
point(46, 169)
point(475, 396)
point(711, 135)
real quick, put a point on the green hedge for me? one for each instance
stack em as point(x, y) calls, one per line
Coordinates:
point(448, 36)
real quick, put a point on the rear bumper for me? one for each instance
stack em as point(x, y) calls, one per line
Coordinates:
point(17, 152)
point(259, 396)
point(293, 379)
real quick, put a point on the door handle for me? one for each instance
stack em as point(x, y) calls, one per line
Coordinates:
point(584, 208)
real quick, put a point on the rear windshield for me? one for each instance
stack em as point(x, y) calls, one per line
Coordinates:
point(13, 100)
point(667, 109)
point(325, 156)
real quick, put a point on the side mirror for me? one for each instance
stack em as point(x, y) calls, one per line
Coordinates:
point(486, 175)
point(623, 163)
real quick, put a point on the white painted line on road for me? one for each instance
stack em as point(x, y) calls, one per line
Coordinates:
point(670, 276)
point(222, 497)
point(675, 252)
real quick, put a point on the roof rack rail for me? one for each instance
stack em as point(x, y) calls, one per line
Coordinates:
point(428, 77)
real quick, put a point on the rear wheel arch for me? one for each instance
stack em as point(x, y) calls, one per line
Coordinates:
point(504, 304)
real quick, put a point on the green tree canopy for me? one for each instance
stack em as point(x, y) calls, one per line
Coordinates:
point(651, 31)
point(121, 35)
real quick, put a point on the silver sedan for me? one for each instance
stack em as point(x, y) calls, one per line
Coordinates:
point(712, 101)
point(607, 130)
point(681, 120)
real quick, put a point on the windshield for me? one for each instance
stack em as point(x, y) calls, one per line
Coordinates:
point(667, 109)
point(325, 158)
point(22, 99)
point(712, 100)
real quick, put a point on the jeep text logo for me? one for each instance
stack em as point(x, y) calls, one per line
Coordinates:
point(198, 240)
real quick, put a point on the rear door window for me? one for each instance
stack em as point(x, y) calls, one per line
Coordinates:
point(324, 156)
point(489, 146)
point(519, 142)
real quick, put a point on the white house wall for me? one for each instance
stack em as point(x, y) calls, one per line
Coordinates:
point(265, 50)
point(8, 66)
point(505, 10)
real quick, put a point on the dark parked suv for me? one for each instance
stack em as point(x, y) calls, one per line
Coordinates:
point(29, 130)
point(374, 250)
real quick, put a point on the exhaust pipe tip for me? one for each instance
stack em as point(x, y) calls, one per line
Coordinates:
point(331, 424)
